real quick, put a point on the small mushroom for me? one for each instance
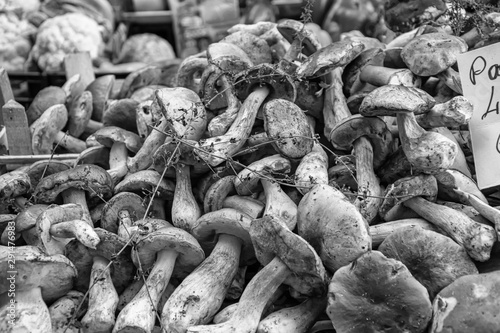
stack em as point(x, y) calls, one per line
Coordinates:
point(47, 130)
point(435, 260)
point(100, 89)
point(160, 251)
point(469, 304)
point(120, 142)
point(229, 230)
point(288, 258)
point(376, 293)
point(72, 184)
point(132, 203)
point(97, 155)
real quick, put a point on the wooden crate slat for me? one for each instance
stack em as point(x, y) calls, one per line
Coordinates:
point(16, 128)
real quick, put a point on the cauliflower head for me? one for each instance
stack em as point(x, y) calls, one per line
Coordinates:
point(15, 43)
point(61, 35)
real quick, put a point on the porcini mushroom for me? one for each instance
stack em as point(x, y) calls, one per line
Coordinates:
point(161, 250)
point(288, 258)
point(199, 296)
point(376, 293)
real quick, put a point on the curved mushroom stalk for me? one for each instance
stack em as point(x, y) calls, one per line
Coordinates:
point(477, 238)
point(200, 295)
point(188, 69)
point(185, 209)
point(217, 193)
point(245, 204)
point(103, 299)
point(289, 258)
point(335, 104)
point(171, 247)
point(381, 231)
point(279, 204)
point(29, 313)
point(428, 151)
point(296, 319)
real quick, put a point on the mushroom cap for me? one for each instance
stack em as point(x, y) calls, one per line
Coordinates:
point(228, 57)
point(225, 221)
point(190, 253)
point(402, 16)
point(146, 181)
point(131, 202)
point(44, 168)
point(26, 219)
point(121, 113)
point(285, 122)
point(146, 93)
point(333, 226)
point(469, 304)
point(111, 134)
point(435, 260)
point(272, 238)
point(350, 74)
point(406, 188)
point(91, 178)
point(98, 155)
point(184, 111)
point(343, 135)
point(100, 89)
point(255, 47)
point(450, 179)
point(13, 184)
point(281, 84)
point(377, 294)
point(327, 58)
point(289, 29)
point(44, 129)
point(432, 53)
point(452, 113)
point(145, 118)
point(390, 99)
point(53, 274)
point(79, 113)
point(43, 100)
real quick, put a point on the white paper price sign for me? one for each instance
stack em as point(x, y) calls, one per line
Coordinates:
point(480, 76)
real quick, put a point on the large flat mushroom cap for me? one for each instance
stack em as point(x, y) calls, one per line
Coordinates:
point(432, 53)
point(121, 113)
point(44, 99)
point(53, 274)
point(91, 178)
point(271, 237)
point(435, 260)
point(377, 294)
point(390, 99)
point(190, 253)
point(470, 304)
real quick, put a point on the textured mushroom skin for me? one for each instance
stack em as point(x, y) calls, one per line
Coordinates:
point(377, 294)
point(470, 304)
point(433, 259)
point(13, 184)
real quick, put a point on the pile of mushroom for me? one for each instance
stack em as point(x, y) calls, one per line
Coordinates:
point(277, 186)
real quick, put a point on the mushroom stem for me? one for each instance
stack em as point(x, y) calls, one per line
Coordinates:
point(103, 299)
point(380, 231)
point(73, 195)
point(185, 209)
point(380, 75)
point(78, 229)
point(492, 214)
point(187, 70)
point(118, 161)
point(295, 319)
point(370, 193)
point(451, 78)
point(335, 104)
point(200, 295)
point(221, 123)
point(476, 238)
point(69, 142)
point(93, 126)
point(139, 315)
point(31, 314)
point(427, 151)
point(247, 316)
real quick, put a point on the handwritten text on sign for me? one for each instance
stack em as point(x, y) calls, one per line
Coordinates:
point(480, 77)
